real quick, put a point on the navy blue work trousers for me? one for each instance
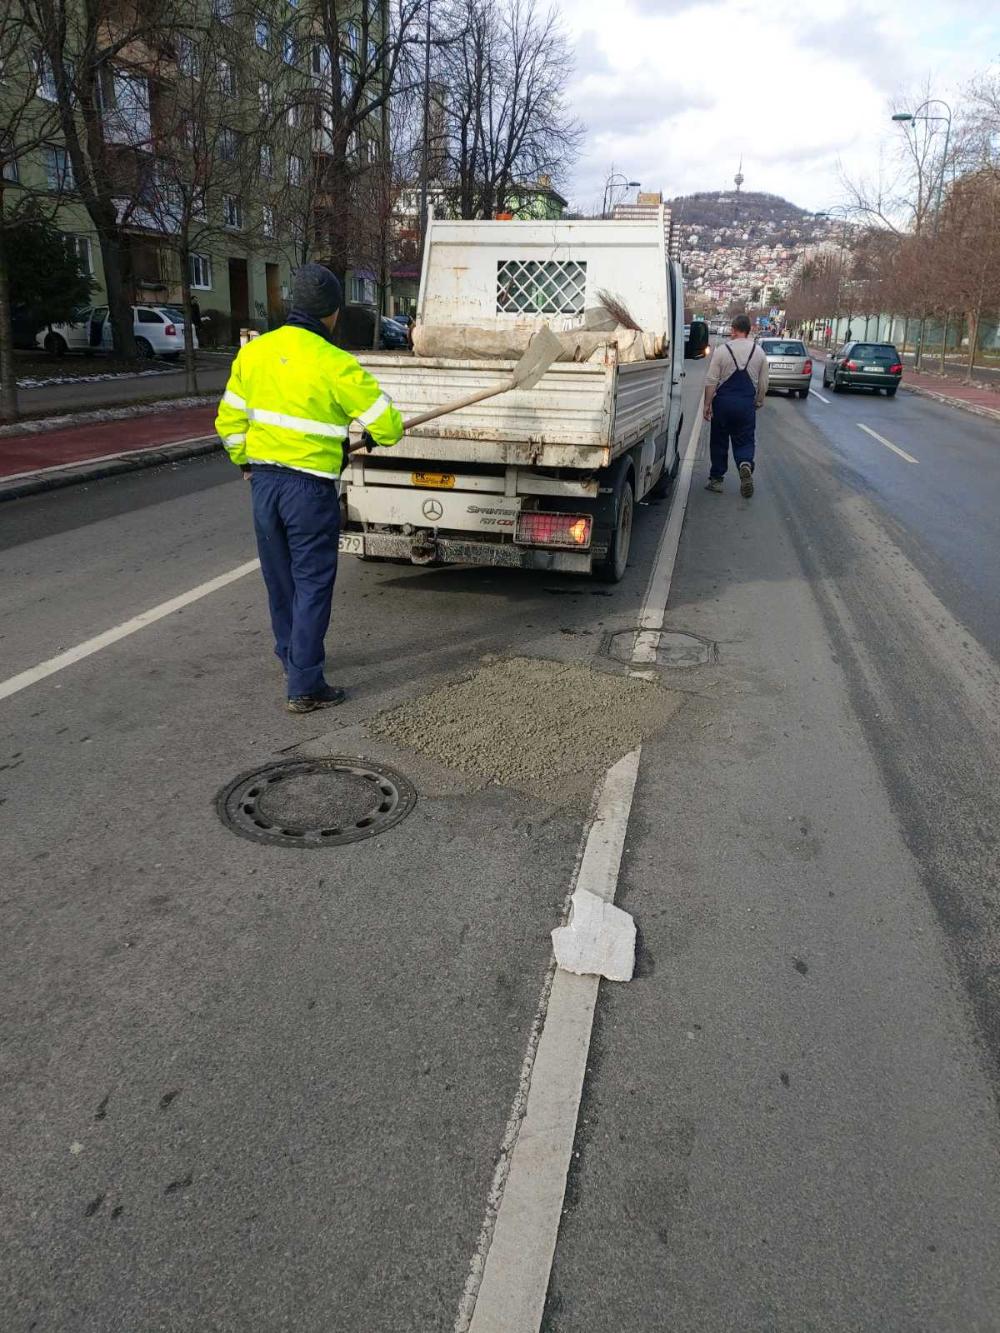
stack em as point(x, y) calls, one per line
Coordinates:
point(734, 420)
point(297, 521)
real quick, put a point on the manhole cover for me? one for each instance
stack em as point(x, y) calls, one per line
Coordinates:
point(672, 648)
point(315, 802)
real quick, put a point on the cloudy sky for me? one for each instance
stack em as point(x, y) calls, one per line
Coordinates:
point(674, 91)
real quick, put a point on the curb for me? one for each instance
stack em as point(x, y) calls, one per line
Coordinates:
point(74, 474)
point(989, 413)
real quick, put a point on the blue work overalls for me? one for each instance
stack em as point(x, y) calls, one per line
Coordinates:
point(297, 521)
point(734, 418)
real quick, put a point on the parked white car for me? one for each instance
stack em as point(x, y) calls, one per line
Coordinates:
point(159, 331)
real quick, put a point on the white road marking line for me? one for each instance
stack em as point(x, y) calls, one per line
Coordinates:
point(647, 638)
point(888, 443)
point(815, 394)
point(515, 1269)
point(509, 1273)
point(105, 458)
point(110, 636)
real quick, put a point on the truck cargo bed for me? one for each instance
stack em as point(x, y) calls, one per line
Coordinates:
point(577, 416)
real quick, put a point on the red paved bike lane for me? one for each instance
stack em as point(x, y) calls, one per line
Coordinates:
point(34, 451)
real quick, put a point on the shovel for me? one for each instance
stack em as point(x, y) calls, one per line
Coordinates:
point(542, 350)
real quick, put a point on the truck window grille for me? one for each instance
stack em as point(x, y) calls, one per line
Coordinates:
point(537, 287)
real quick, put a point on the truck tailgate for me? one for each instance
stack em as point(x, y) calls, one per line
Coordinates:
point(565, 421)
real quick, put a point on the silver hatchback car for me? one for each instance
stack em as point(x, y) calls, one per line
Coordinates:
point(789, 365)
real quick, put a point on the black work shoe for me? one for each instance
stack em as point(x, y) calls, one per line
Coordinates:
point(328, 697)
point(746, 480)
point(714, 484)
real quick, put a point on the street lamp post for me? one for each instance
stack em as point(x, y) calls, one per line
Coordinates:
point(910, 118)
point(829, 215)
point(616, 181)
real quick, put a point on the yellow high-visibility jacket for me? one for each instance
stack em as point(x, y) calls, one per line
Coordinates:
point(290, 399)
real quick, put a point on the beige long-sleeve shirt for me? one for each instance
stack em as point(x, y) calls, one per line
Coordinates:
point(749, 357)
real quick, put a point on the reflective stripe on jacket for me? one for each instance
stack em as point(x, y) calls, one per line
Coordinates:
point(290, 399)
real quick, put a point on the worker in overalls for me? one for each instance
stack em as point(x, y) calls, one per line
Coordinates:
point(284, 419)
point(734, 391)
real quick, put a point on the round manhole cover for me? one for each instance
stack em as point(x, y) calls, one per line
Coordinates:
point(315, 802)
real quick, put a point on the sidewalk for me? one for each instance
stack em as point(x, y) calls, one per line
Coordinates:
point(984, 402)
point(44, 460)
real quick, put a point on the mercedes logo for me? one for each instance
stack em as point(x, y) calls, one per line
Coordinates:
point(432, 509)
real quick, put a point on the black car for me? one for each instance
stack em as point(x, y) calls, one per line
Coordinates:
point(864, 365)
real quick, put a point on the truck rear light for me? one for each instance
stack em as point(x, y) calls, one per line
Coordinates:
point(535, 528)
point(170, 331)
point(807, 369)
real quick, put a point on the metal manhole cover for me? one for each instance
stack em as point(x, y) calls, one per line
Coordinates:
point(315, 802)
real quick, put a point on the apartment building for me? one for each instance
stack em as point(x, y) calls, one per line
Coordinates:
point(204, 130)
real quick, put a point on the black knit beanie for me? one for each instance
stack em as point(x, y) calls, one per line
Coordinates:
point(316, 291)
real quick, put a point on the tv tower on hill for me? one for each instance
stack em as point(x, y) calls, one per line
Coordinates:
point(738, 178)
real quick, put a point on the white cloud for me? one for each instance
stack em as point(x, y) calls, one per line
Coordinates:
point(674, 92)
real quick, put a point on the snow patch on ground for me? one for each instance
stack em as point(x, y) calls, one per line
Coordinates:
point(31, 382)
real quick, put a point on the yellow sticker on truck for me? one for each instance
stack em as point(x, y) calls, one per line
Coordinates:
point(434, 481)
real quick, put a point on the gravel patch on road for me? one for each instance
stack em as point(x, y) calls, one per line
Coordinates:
point(546, 728)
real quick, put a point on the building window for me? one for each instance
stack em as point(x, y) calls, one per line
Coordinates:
point(294, 117)
point(289, 47)
point(187, 57)
point(199, 203)
point(58, 169)
point(227, 79)
point(320, 60)
point(266, 161)
point(8, 160)
point(223, 10)
point(266, 97)
point(362, 290)
point(46, 77)
point(294, 169)
point(262, 34)
point(80, 246)
point(353, 38)
point(347, 80)
point(267, 219)
point(229, 142)
point(232, 212)
point(201, 272)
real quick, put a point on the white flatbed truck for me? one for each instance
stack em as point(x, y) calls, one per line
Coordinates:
point(545, 478)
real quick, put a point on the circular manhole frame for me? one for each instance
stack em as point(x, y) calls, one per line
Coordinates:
point(238, 803)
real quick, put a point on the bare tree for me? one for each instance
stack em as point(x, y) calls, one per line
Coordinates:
point(507, 123)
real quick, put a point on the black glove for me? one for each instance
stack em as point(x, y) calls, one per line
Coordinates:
point(367, 442)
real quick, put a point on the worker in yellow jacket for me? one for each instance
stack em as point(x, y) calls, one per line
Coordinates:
point(284, 420)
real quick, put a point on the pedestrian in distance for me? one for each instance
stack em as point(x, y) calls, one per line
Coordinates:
point(734, 393)
point(284, 419)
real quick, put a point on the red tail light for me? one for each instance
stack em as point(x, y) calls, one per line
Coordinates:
point(170, 331)
point(850, 365)
point(807, 369)
point(535, 528)
point(896, 370)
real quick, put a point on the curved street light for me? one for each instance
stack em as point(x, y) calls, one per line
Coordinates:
point(616, 181)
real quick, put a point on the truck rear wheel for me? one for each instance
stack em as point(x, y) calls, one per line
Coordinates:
point(612, 568)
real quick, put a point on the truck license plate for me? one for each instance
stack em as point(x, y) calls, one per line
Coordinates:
point(351, 543)
point(436, 481)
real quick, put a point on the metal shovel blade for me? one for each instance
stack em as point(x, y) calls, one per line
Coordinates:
point(543, 349)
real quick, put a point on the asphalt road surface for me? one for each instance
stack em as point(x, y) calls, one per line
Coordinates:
point(254, 1087)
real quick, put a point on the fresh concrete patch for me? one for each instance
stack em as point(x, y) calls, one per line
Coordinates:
point(667, 648)
point(546, 728)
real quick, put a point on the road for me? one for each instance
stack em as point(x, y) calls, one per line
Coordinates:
point(259, 1087)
